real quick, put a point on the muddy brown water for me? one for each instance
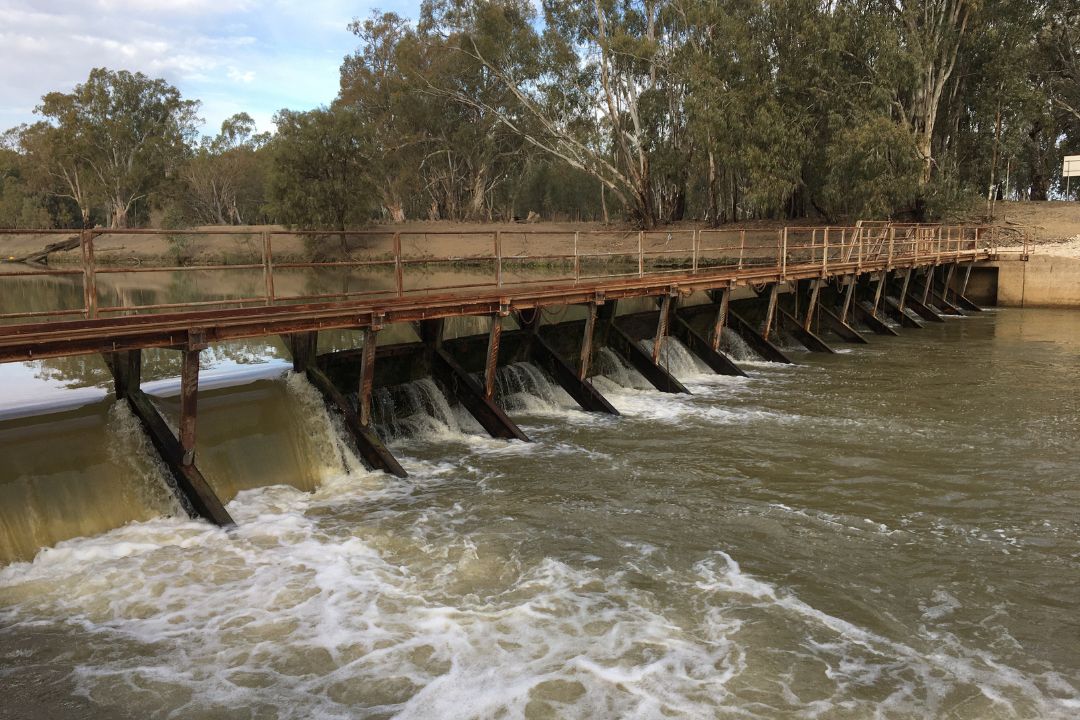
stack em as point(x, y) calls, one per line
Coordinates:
point(889, 532)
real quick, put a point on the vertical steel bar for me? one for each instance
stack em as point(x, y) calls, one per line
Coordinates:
point(641, 253)
point(825, 253)
point(721, 319)
point(929, 284)
point(694, 251)
point(661, 327)
point(498, 259)
point(587, 341)
point(268, 285)
point(86, 241)
point(577, 258)
point(811, 306)
point(399, 268)
point(770, 312)
point(367, 375)
point(189, 394)
point(849, 296)
point(742, 247)
point(904, 289)
point(783, 254)
point(491, 365)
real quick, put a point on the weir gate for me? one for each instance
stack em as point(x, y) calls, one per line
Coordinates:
point(118, 292)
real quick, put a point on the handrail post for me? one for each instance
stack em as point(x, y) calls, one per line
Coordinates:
point(892, 239)
point(742, 248)
point(577, 259)
point(86, 241)
point(825, 253)
point(268, 280)
point(399, 270)
point(641, 253)
point(498, 258)
point(783, 254)
point(694, 251)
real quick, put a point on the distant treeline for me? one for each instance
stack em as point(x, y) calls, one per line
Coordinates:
point(653, 111)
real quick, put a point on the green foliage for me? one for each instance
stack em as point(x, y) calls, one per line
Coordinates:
point(657, 110)
point(319, 177)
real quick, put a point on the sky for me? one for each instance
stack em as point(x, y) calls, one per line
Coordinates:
point(233, 55)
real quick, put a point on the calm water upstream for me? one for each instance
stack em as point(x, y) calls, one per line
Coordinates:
point(889, 532)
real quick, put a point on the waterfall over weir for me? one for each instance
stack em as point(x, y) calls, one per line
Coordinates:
point(85, 471)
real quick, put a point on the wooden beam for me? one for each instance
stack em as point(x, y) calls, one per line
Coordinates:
point(585, 357)
point(849, 296)
point(189, 394)
point(126, 367)
point(471, 395)
point(195, 494)
point(882, 278)
point(924, 311)
point(367, 375)
point(928, 282)
point(904, 288)
point(491, 364)
point(716, 360)
point(641, 361)
point(662, 326)
point(304, 348)
point(812, 342)
point(841, 328)
point(811, 305)
point(770, 311)
point(368, 445)
point(892, 308)
point(755, 340)
point(720, 320)
point(584, 393)
point(872, 321)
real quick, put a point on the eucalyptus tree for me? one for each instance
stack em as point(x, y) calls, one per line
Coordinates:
point(319, 177)
point(225, 177)
point(115, 138)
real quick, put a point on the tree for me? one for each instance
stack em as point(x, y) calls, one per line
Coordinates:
point(117, 137)
point(319, 177)
point(225, 178)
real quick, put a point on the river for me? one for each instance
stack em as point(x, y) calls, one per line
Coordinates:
point(893, 531)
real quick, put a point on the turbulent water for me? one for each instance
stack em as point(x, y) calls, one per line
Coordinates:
point(893, 532)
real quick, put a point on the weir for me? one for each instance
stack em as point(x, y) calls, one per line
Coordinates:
point(807, 284)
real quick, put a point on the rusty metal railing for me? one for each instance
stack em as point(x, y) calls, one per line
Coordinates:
point(281, 267)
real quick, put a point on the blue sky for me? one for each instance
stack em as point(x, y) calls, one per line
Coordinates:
point(233, 55)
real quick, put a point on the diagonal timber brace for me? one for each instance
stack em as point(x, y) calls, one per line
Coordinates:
point(357, 421)
point(178, 453)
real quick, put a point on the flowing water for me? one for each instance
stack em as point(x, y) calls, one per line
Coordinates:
point(893, 532)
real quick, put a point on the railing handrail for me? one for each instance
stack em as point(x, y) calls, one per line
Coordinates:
point(791, 251)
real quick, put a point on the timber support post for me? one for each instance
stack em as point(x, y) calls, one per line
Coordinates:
point(666, 305)
point(720, 320)
point(904, 289)
point(585, 356)
point(195, 494)
point(572, 380)
point(770, 311)
point(812, 305)
point(367, 374)
point(879, 289)
point(849, 297)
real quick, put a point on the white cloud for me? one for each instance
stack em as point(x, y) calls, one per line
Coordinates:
point(233, 55)
point(247, 76)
